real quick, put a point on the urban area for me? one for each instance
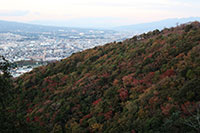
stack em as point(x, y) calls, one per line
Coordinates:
point(32, 49)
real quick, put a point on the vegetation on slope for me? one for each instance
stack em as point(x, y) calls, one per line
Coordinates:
point(11, 118)
point(149, 83)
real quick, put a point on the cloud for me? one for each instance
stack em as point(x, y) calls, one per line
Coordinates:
point(12, 13)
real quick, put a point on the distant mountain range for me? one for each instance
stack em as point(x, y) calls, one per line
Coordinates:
point(6, 26)
point(135, 28)
point(167, 23)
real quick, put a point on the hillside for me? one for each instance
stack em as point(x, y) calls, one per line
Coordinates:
point(149, 83)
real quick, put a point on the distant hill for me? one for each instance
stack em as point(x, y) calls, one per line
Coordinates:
point(136, 28)
point(6, 26)
point(147, 84)
point(167, 23)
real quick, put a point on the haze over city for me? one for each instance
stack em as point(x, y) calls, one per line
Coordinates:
point(96, 13)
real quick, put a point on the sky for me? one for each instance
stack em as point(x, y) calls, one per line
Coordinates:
point(107, 12)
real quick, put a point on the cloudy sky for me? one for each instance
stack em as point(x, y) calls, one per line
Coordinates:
point(116, 12)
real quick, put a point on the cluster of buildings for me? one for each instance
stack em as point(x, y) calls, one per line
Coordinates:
point(49, 46)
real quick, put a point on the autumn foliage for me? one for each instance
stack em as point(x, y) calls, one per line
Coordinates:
point(149, 83)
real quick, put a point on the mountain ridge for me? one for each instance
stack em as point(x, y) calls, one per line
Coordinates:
point(135, 28)
point(166, 23)
point(6, 26)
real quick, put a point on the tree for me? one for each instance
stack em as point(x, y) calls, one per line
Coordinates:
point(11, 118)
point(6, 96)
point(193, 120)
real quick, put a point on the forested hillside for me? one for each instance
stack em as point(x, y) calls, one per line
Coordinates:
point(149, 83)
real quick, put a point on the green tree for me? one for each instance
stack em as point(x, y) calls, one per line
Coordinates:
point(11, 118)
point(6, 96)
